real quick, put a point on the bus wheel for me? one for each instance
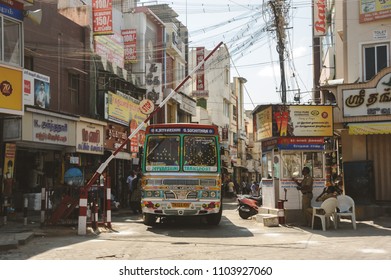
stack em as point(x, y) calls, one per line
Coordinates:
point(214, 219)
point(149, 219)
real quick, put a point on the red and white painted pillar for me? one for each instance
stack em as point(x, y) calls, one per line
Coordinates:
point(82, 225)
point(108, 202)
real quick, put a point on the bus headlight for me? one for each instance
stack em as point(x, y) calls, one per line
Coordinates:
point(212, 194)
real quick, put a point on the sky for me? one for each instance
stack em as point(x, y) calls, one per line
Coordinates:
point(241, 26)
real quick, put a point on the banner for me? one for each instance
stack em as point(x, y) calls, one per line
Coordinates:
point(11, 96)
point(130, 45)
point(8, 170)
point(102, 16)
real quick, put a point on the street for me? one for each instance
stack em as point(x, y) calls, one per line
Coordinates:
point(233, 239)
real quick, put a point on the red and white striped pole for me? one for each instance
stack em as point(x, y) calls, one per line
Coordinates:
point(103, 166)
point(82, 226)
point(108, 202)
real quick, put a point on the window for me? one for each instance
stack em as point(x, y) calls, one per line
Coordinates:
point(162, 153)
point(234, 113)
point(226, 108)
point(73, 88)
point(375, 59)
point(200, 151)
point(292, 164)
point(10, 41)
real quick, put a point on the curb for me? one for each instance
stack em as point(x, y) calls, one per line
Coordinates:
point(13, 241)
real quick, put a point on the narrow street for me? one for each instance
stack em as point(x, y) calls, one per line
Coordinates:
point(233, 239)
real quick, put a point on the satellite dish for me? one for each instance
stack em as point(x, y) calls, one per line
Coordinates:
point(35, 16)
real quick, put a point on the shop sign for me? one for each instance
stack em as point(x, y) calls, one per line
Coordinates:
point(115, 136)
point(11, 97)
point(122, 108)
point(49, 129)
point(368, 101)
point(12, 9)
point(320, 18)
point(200, 75)
point(301, 143)
point(371, 10)
point(269, 145)
point(89, 138)
point(153, 82)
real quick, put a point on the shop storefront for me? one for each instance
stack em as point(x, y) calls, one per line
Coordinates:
point(363, 119)
point(41, 139)
point(291, 138)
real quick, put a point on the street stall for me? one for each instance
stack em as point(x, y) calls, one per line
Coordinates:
point(292, 137)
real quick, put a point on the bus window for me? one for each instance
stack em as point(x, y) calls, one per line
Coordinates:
point(200, 151)
point(162, 151)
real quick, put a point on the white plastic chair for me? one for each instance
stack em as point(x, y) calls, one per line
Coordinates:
point(346, 208)
point(329, 207)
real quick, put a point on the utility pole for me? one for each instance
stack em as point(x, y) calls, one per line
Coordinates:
point(279, 11)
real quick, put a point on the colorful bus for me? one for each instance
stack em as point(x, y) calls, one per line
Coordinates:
point(181, 172)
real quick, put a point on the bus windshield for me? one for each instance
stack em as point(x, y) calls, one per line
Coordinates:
point(200, 153)
point(162, 153)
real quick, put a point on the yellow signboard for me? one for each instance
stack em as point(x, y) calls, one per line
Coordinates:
point(11, 93)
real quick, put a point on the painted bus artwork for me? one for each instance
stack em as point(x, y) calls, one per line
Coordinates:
point(181, 172)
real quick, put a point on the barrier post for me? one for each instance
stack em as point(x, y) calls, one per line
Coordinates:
point(82, 225)
point(108, 202)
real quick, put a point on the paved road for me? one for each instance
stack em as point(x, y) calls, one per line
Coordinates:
point(233, 239)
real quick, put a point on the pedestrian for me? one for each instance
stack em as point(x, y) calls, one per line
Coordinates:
point(254, 189)
point(305, 186)
point(231, 187)
point(135, 197)
point(129, 182)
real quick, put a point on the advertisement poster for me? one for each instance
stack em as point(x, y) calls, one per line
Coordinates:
point(130, 43)
point(102, 15)
point(264, 123)
point(8, 171)
point(11, 97)
point(302, 120)
point(371, 10)
point(36, 89)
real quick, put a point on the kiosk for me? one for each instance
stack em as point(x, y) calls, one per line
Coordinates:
point(291, 137)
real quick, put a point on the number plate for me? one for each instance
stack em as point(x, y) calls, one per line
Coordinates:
point(180, 205)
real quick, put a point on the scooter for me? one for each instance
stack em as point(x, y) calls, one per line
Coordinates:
point(248, 206)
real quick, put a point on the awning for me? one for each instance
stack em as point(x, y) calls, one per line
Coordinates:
point(369, 128)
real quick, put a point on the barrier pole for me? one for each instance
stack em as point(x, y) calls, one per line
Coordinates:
point(108, 202)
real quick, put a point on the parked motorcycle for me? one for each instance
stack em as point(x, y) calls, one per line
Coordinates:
point(248, 205)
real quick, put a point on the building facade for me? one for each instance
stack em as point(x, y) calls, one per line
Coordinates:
point(355, 76)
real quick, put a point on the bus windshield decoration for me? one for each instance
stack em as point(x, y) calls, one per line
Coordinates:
point(200, 154)
point(181, 172)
